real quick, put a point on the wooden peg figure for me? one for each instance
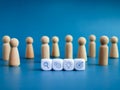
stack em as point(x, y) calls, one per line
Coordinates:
point(29, 48)
point(6, 48)
point(92, 46)
point(55, 47)
point(14, 54)
point(82, 48)
point(69, 47)
point(45, 50)
point(114, 53)
point(103, 53)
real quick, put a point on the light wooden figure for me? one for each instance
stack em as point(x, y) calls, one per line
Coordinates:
point(82, 49)
point(114, 53)
point(69, 47)
point(55, 47)
point(103, 53)
point(45, 50)
point(29, 48)
point(14, 59)
point(92, 46)
point(6, 48)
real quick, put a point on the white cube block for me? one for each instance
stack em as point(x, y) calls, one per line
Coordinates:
point(79, 64)
point(46, 64)
point(57, 64)
point(68, 64)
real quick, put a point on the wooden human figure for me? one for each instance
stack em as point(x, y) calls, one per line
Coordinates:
point(45, 50)
point(82, 48)
point(29, 48)
point(114, 53)
point(14, 59)
point(55, 47)
point(69, 47)
point(92, 46)
point(103, 53)
point(6, 48)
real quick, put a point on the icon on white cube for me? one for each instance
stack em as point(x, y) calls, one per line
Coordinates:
point(46, 64)
point(57, 64)
point(68, 64)
point(79, 64)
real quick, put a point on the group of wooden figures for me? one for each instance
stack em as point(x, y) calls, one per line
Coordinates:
point(103, 51)
point(11, 53)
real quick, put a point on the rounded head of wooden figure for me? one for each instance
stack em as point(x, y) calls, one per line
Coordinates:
point(45, 39)
point(6, 39)
point(114, 39)
point(55, 39)
point(92, 37)
point(69, 38)
point(104, 40)
point(14, 42)
point(29, 40)
point(82, 41)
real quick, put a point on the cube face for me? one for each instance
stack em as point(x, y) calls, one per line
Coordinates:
point(68, 64)
point(46, 64)
point(79, 64)
point(57, 64)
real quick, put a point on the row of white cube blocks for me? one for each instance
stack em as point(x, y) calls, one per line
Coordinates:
point(60, 64)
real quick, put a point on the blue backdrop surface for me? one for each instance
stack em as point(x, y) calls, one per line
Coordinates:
point(35, 18)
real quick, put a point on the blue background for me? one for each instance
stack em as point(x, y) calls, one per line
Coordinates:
point(22, 18)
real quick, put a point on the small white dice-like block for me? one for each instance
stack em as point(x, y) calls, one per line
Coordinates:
point(46, 64)
point(68, 64)
point(79, 64)
point(57, 64)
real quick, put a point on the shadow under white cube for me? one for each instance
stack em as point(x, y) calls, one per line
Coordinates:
point(68, 64)
point(57, 64)
point(46, 64)
point(79, 64)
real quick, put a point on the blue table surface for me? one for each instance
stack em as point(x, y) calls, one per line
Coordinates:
point(35, 18)
point(30, 76)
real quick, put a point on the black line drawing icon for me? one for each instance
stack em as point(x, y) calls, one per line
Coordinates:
point(46, 64)
point(68, 65)
point(79, 65)
point(57, 64)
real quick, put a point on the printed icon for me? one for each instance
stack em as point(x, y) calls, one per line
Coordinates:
point(46, 64)
point(79, 64)
point(68, 64)
point(57, 64)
